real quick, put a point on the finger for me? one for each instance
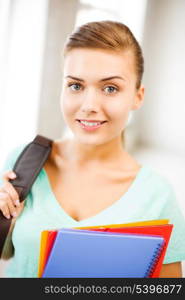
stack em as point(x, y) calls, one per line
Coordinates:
point(9, 175)
point(12, 209)
point(7, 207)
point(9, 188)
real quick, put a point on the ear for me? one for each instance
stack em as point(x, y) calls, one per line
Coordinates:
point(139, 98)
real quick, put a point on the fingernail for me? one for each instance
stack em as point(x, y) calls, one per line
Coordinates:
point(14, 214)
point(17, 203)
point(7, 216)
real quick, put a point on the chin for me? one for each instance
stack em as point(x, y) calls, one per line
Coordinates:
point(91, 140)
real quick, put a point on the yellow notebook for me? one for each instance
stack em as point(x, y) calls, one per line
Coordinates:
point(141, 223)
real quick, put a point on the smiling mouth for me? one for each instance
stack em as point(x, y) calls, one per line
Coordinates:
point(90, 125)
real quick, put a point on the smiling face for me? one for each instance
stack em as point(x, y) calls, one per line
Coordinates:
point(99, 85)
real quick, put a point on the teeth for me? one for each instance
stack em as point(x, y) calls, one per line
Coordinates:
point(90, 123)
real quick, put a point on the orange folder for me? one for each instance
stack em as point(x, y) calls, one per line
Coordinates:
point(43, 242)
point(47, 242)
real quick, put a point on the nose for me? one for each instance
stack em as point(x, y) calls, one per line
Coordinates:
point(90, 101)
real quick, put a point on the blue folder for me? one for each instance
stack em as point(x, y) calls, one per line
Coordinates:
point(80, 253)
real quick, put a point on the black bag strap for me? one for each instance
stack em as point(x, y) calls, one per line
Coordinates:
point(27, 168)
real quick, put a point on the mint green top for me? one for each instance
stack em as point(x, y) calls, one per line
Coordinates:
point(149, 197)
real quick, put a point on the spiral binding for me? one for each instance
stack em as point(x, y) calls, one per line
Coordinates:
point(154, 261)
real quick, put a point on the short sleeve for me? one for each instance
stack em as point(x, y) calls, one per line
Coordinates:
point(171, 210)
point(10, 160)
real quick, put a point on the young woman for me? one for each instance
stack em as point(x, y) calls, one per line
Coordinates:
point(90, 179)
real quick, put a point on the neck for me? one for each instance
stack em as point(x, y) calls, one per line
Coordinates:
point(84, 154)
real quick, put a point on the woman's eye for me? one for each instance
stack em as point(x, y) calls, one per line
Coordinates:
point(74, 86)
point(111, 89)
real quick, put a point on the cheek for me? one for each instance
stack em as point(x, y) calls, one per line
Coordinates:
point(118, 110)
point(68, 106)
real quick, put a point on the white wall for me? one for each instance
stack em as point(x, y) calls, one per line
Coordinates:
point(164, 48)
point(21, 46)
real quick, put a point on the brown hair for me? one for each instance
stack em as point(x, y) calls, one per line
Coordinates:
point(108, 35)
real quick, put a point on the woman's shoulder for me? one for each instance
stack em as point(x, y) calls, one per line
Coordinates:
point(156, 181)
point(15, 152)
point(57, 158)
point(150, 178)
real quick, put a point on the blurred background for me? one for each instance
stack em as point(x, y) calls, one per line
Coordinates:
point(32, 35)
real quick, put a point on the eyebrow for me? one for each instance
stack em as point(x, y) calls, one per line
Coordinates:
point(103, 79)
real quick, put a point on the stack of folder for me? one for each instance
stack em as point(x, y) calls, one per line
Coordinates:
point(113, 250)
